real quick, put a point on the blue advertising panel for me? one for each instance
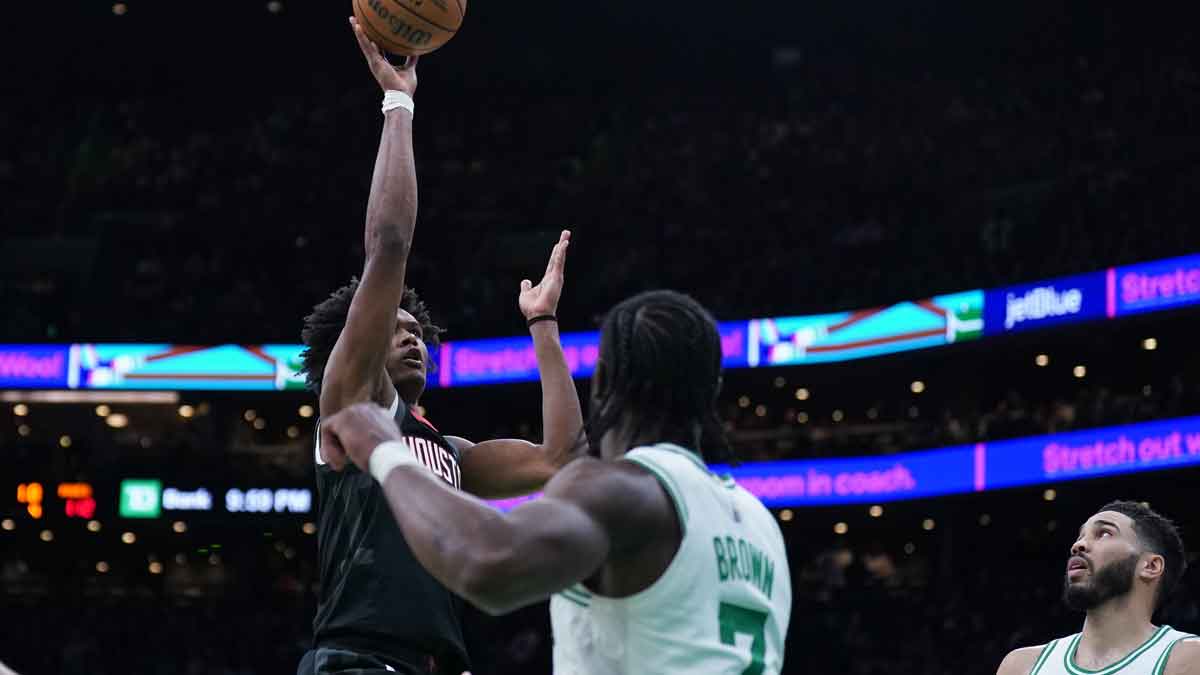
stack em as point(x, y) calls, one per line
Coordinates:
point(1037, 460)
point(1155, 286)
point(858, 480)
point(35, 366)
point(497, 360)
point(1045, 303)
point(189, 367)
point(842, 336)
point(1095, 452)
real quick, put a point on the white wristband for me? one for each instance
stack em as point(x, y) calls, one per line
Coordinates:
point(394, 98)
point(387, 456)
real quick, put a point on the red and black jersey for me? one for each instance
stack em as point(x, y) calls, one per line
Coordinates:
point(375, 596)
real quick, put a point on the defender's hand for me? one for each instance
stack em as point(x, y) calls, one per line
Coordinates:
point(543, 298)
point(403, 78)
point(354, 432)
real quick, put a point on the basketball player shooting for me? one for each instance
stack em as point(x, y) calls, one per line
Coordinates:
point(652, 563)
point(1122, 568)
point(379, 610)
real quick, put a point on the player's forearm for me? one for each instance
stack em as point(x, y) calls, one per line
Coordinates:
point(459, 539)
point(392, 206)
point(562, 417)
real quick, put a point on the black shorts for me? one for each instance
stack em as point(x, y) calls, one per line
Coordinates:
point(329, 661)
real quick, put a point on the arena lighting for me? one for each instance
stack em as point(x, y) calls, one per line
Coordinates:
point(802, 394)
point(1079, 371)
point(293, 432)
point(64, 441)
point(156, 567)
point(917, 386)
point(117, 421)
point(119, 9)
point(103, 398)
point(985, 520)
point(802, 417)
point(841, 528)
point(1050, 494)
point(928, 524)
point(786, 515)
point(260, 424)
point(24, 430)
point(179, 526)
point(306, 411)
point(186, 411)
point(250, 415)
point(128, 537)
point(780, 383)
point(760, 410)
point(274, 6)
point(743, 401)
point(47, 535)
point(876, 511)
point(20, 410)
point(838, 415)
point(1041, 360)
point(102, 567)
point(310, 528)
point(1150, 344)
point(8, 524)
point(93, 526)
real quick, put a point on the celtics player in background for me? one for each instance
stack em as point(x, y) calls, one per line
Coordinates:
point(652, 563)
point(1123, 567)
point(379, 610)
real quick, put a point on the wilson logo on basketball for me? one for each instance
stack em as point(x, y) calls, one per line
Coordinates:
point(399, 27)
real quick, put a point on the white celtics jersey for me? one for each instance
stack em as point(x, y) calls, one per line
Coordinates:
point(721, 607)
point(1058, 657)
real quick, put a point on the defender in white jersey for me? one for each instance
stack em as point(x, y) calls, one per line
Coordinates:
point(655, 564)
point(1124, 564)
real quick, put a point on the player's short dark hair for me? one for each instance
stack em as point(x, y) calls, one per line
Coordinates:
point(660, 357)
point(1158, 535)
point(324, 325)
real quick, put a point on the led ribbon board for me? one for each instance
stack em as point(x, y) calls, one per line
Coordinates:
point(1056, 458)
point(757, 343)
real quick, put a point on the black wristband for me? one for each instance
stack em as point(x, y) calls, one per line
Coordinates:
point(541, 317)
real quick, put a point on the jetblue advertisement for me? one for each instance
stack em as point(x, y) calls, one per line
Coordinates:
point(1042, 304)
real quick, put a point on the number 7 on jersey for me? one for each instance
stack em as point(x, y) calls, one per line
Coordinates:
point(734, 620)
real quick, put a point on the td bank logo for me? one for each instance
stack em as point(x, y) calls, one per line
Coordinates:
point(141, 498)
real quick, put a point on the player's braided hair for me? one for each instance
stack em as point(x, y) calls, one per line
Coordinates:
point(660, 365)
point(328, 318)
point(1158, 535)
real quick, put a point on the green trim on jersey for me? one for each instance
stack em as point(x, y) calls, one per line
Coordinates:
point(577, 594)
point(1160, 666)
point(1069, 656)
point(668, 483)
point(573, 599)
point(1043, 657)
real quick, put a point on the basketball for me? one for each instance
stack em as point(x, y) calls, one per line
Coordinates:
point(410, 27)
